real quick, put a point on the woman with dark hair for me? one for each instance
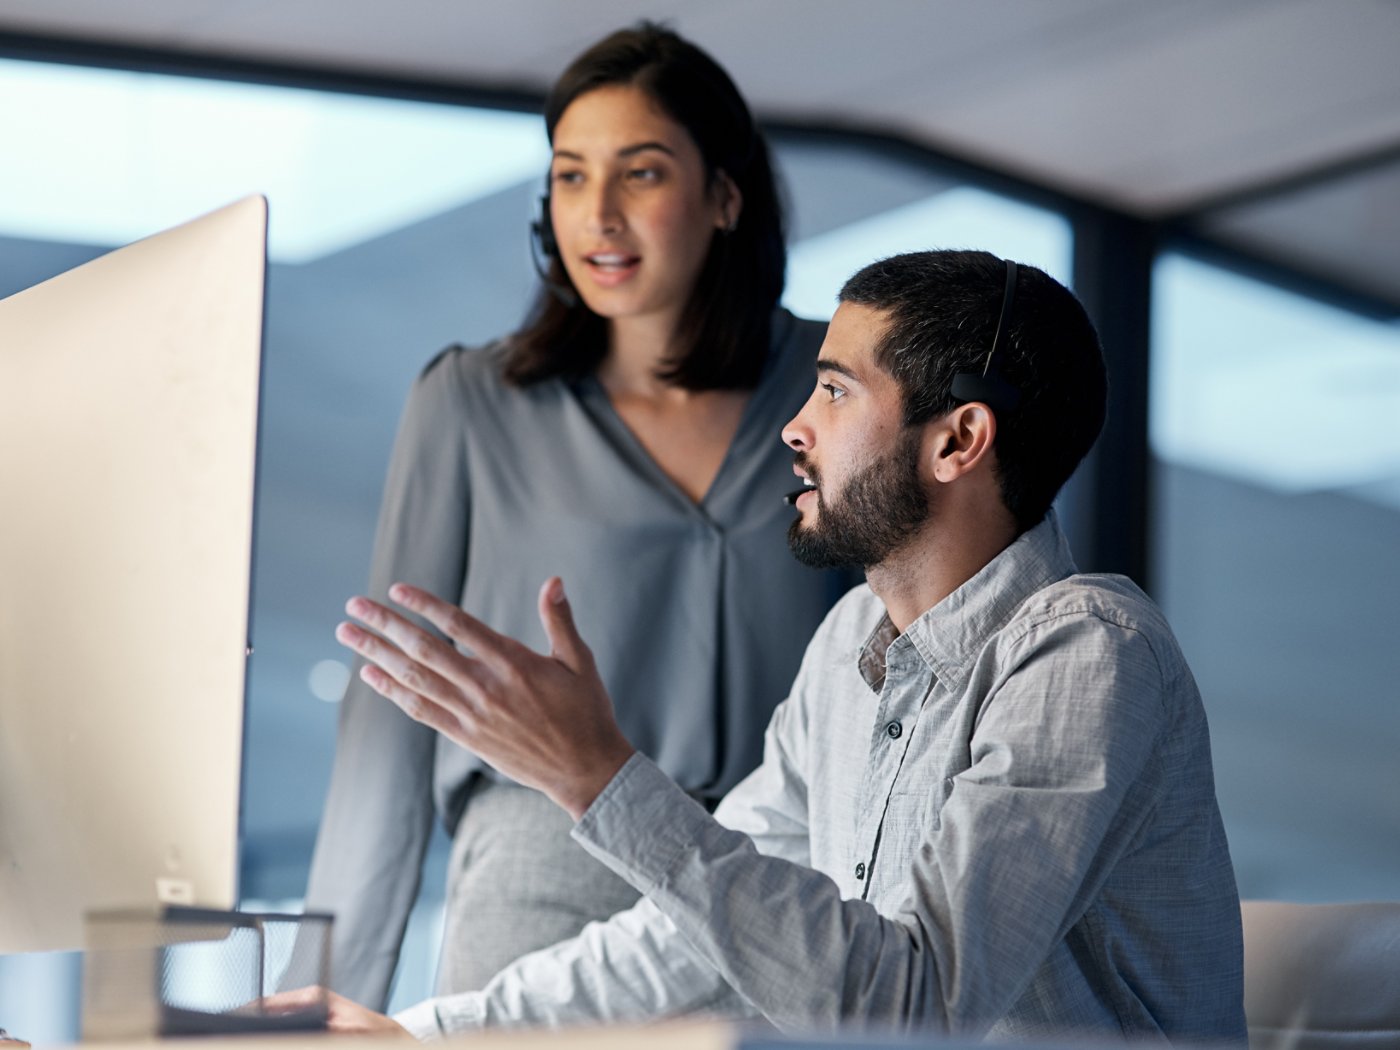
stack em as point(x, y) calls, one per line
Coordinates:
point(627, 439)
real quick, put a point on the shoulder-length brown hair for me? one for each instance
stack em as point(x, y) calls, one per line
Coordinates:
point(724, 329)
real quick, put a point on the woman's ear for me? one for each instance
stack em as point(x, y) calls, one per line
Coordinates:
point(963, 439)
point(730, 201)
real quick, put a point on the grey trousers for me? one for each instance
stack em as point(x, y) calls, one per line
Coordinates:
point(517, 882)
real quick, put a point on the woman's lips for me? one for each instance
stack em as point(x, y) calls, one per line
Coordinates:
point(609, 269)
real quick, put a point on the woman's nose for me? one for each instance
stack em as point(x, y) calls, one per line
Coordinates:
point(604, 212)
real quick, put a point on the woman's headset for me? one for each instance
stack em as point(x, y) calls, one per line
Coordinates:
point(543, 249)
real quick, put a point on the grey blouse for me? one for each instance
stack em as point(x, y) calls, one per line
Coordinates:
point(697, 614)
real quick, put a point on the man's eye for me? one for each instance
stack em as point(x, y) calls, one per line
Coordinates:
point(833, 391)
point(643, 174)
point(566, 178)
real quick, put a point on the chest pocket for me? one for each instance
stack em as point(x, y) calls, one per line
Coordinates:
point(941, 748)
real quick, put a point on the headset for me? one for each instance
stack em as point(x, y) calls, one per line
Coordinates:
point(990, 386)
point(543, 244)
point(542, 231)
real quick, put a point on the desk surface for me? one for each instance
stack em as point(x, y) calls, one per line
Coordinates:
point(692, 1035)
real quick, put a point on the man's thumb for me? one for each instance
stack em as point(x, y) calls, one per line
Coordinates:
point(557, 616)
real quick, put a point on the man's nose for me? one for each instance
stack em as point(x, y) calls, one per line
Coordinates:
point(797, 435)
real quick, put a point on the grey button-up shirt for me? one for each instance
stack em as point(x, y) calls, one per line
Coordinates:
point(1001, 822)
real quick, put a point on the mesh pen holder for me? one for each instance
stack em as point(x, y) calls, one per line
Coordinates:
point(196, 971)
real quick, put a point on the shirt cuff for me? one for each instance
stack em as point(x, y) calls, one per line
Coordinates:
point(422, 1022)
point(641, 823)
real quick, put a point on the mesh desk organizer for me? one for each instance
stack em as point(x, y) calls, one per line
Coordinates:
point(196, 971)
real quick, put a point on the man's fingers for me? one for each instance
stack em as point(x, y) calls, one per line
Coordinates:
point(420, 708)
point(292, 1001)
point(412, 640)
point(557, 616)
point(417, 676)
point(463, 628)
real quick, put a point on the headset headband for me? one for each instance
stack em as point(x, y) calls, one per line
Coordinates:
point(991, 387)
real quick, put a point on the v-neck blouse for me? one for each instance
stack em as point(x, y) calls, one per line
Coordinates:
point(697, 613)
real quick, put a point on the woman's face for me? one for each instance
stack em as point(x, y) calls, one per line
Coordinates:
point(633, 214)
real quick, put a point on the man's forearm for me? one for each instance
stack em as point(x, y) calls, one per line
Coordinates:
point(778, 932)
point(633, 968)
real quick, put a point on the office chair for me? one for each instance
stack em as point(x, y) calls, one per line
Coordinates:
point(1322, 976)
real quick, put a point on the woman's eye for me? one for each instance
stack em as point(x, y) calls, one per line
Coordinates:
point(566, 178)
point(834, 392)
point(643, 174)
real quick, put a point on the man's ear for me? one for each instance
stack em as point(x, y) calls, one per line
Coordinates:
point(962, 440)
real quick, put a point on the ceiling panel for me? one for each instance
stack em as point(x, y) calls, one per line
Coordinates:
point(1157, 108)
point(1187, 109)
point(1345, 230)
point(1149, 105)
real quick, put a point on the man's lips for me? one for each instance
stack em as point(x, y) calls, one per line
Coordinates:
point(808, 487)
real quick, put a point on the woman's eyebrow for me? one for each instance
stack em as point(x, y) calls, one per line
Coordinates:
point(625, 151)
point(641, 147)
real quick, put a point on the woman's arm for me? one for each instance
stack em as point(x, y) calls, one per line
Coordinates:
point(379, 808)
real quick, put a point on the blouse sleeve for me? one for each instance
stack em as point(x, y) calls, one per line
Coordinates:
point(379, 809)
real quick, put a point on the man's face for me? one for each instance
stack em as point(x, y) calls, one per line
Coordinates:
point(864, 497)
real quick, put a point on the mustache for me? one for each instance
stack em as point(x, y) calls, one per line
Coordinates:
point(800, 461)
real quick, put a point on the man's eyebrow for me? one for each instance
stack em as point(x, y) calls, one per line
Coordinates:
point(826, 364)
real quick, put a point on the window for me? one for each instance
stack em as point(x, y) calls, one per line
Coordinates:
point(1277, 539)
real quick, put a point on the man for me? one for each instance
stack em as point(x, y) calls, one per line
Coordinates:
point(987, 806)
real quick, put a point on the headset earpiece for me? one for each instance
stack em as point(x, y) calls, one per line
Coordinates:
point(990, 386)
point(543, 230)
point(543, 245)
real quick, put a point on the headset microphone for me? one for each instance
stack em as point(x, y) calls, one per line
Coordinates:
point(542, 242)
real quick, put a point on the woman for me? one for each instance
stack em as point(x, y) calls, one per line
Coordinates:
point(626, 439)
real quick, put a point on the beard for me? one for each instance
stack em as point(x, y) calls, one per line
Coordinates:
point(881, 507)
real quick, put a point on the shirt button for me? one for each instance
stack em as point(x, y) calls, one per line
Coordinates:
point(860, 871)
point(895, 730)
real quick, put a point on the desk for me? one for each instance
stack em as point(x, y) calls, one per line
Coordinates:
point(679, 1035)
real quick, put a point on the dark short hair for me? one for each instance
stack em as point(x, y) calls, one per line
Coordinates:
point(724, 328)
point(942, 308)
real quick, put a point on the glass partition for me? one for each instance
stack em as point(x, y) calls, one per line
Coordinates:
point(1277, 539)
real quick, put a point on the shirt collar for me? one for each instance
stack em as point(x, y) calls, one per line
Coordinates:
point(949, 635)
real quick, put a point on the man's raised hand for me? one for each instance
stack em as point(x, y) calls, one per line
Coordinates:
point(543, 720)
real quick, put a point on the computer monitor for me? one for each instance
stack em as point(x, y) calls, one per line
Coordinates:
point(128, 432)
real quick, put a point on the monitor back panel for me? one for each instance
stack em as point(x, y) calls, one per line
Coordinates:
point(128, 426)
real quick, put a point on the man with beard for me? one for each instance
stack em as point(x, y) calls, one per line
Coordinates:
point(987, 805)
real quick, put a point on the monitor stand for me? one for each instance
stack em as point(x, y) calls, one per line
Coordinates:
point(198, 971)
